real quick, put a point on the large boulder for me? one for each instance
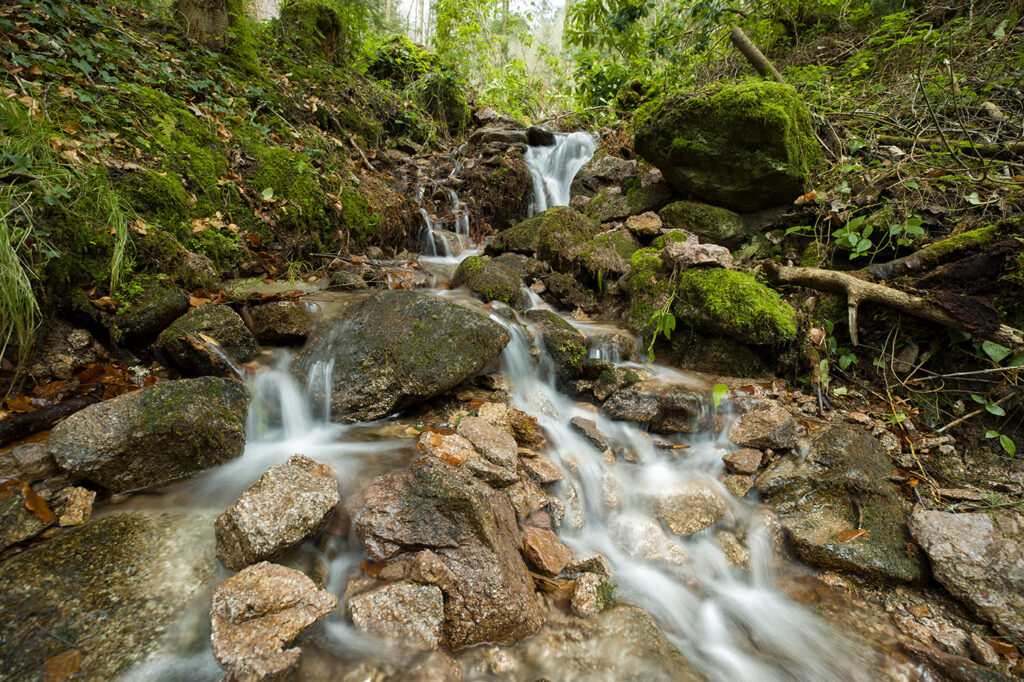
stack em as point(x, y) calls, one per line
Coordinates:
point(980, 559)
point(154, 435)
point(566, 344)
point(839, 508)
point(555, 236)
point(711, 224)
point(663, 407)
point(289, 503)
point(612, 203)
point(256, 613)
point(109, 589)
point(397, 349)
point(186, 341)
point(466, 542)
point(489, 280)
point(745, 146)
point(283, 322)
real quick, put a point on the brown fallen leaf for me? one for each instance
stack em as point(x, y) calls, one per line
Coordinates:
point(195, 301)
point(851, 535)
point(37, 505)
point(105, 303)
point(62, 666)
point(1004, 649)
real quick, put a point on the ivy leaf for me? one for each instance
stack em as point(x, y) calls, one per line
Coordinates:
point(995, 351)
point(1008, 445)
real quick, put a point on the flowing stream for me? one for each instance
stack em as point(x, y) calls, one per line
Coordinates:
point(553, 168)
point(730, 623)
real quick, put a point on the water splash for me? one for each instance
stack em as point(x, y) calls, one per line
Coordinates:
point(554, 167)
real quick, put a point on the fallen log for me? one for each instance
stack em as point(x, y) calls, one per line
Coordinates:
point(1003, 152)
point(25, 424)
point(753, 55)
point(859, 291)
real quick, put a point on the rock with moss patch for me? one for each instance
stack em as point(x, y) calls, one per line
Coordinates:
point(734, 304)
point(566, 291)
point(527, 268)
point(566, 344)
point(612, 203)
point(109, 589)
point(397, 349)
point(282, 322)
point(553, 236)
point(184, 344)
point(489, 280)
point(744, 146)
point(712, 224)
point(154, 435)
point(839, 489)
point(150, 313)
point(605, 258)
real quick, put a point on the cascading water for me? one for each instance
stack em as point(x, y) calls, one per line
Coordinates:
point(553, 168)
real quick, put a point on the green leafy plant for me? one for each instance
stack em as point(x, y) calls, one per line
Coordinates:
point(663, 323)
point(1005, 441)
point(990, 406)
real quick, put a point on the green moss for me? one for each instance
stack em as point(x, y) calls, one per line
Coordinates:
point(290, 175)
point(489, 280)
point(673, 236)
point(735, 304)
point(157, 196)
point(712, 224)
point(648, 288)
point(316, 26)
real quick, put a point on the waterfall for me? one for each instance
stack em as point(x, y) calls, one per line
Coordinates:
point(554, 167)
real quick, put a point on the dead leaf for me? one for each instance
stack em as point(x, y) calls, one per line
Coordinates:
point(62, 666)
point(254, 240)
point(850, 535)
point(34, 71)
point(139, 227)
point(105, 303)
point(195, 302)
point(37, 505)
point(808, 198)
point(1004, 649)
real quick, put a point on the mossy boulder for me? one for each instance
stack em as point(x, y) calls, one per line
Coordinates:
point(711, 224)
point(182, 342)
point(843, 485)
point(733, 304)
point(316, 26)
point(649, 287)
point(745, 146)
point(526, 267)
point(110, 589)
point(556, 236)
point(489, 280)
point(566, 291)
point(611, 203)
point(604, 258)
point(150, 313)
point(566, 344)
point(716, 354)
point(397, 349)
point(154, 435)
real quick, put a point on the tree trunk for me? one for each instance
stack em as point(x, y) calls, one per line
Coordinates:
point(754, 56)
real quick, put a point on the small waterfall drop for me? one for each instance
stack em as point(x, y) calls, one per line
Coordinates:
point(554, 167)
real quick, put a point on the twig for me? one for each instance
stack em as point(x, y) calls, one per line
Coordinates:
point(975, 413)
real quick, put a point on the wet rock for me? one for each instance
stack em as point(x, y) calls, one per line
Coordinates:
point(282, 322)
point(452, 448)
point(154, 435)
point(526, 429)
point(738, 486)
point(545, 550)
point(75, 505)
point(489, 280)
point(345, 280)
point(611, 203)
point(184, 344)
point(473, 539)
point(543, 469)
point(565, 291)
point(17, 522)
point(539, 137)
point(588, 594)
point(436, 666)
point(690, 254)
point(599, 261)
point(644, 226)
point(757, 155)
point(65, 349)
point(688, 509)
point(642, 538)
point(743, 461)
point(588, 429)
point(524, 266)
point(526, 498)
point(621, 643)
point(664, 407)
point(154, 310)
point(980, 560)
point(770, 427)
point(287, 505)
point(30, 462)
point(711, 224)
point(553, 236)
point(257, 612)
point(495, 445)
point(110, 588)
point(399, 348)
point(592, 564)
point(821, 500)
point(498, 136)
point(615, 346)
point(566, 344)
point(404, 612)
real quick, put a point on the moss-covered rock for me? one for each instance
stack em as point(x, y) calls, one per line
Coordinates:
point(611, 203)
point(649, 288)
point(397, 349)
point(605, 258)
point(734, 304)
point(110, 589)
point(842, 485)
point(715, 354)
point(489, 280)
point(567, 292)
point(316, 26)
point(524, 266)
point(150, 313)
point(556, 236)
point(712, 224)
point(566, 344)
point(184, 345)
point(154, 435)
point(745, 146)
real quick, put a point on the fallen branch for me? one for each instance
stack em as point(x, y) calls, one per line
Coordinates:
point(859, 291)
point(754, 56)
point(1003, 152)
point(25, 424)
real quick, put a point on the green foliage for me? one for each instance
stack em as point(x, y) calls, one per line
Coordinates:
point(862, 238)
point(663, 322)
point(1009, 447)
point(333, 29)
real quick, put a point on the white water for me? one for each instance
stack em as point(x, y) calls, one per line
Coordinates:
point(554, 167)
